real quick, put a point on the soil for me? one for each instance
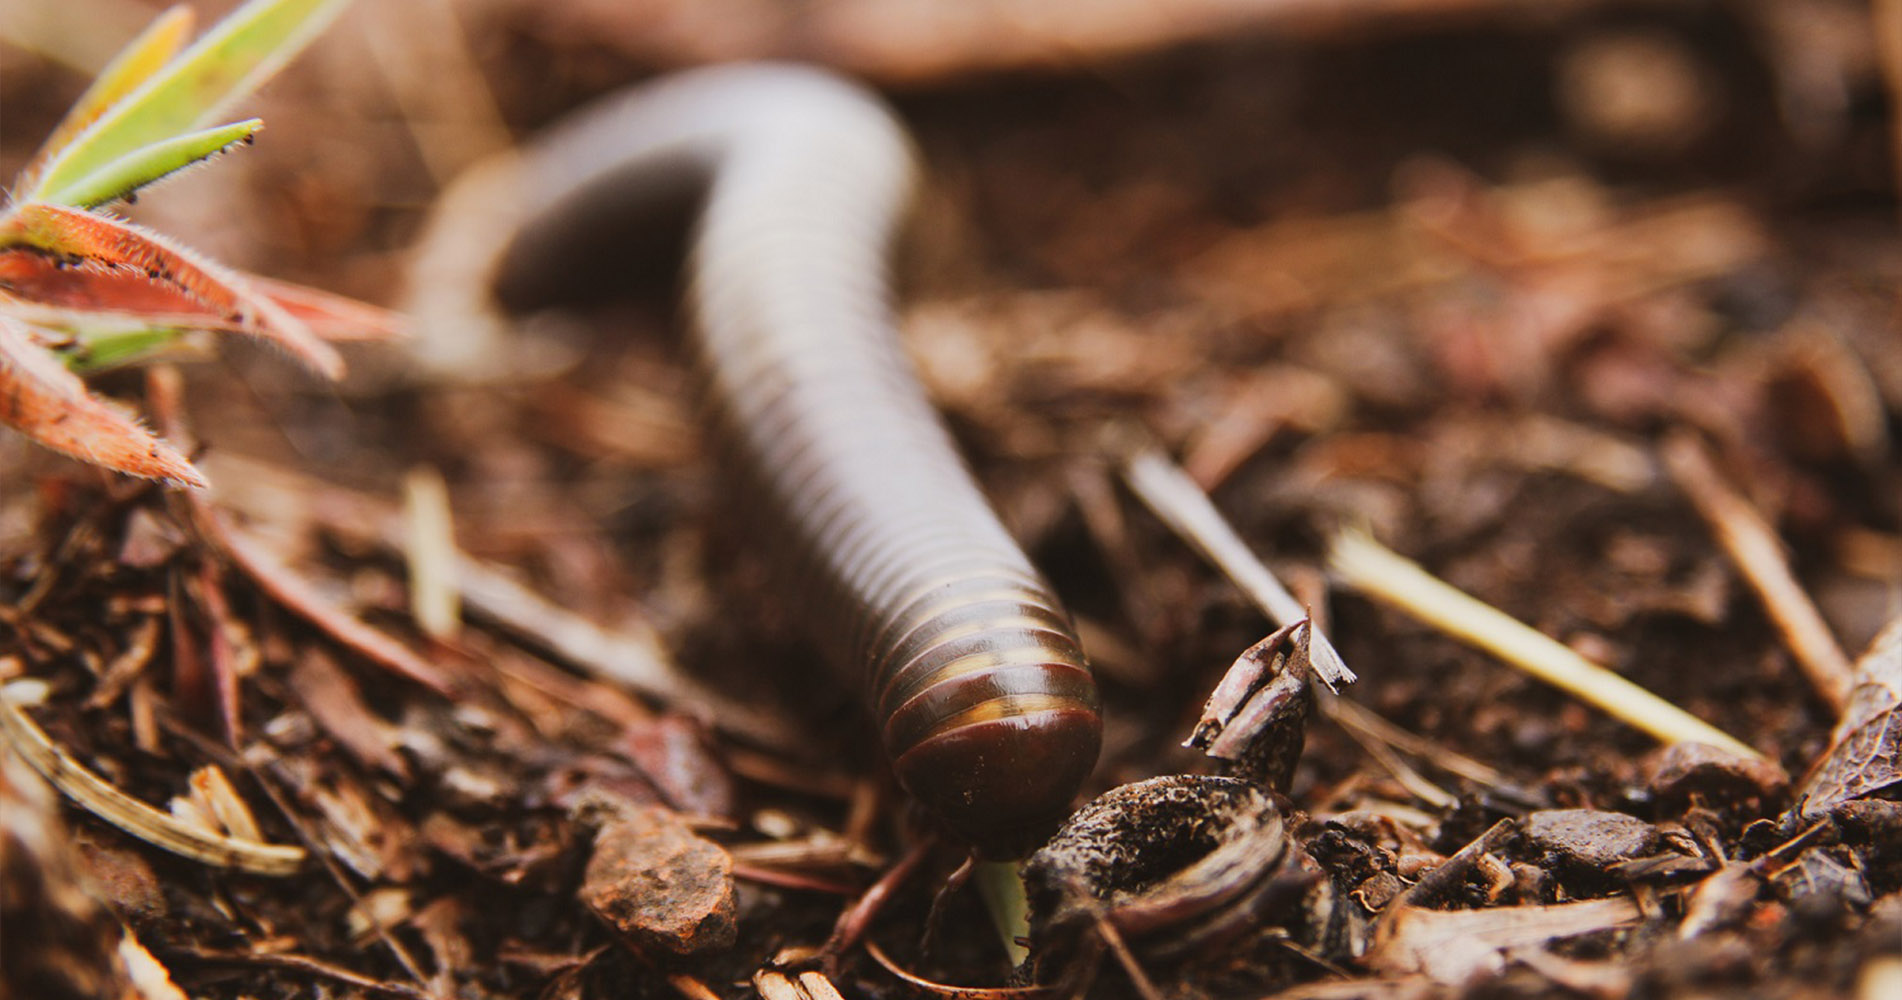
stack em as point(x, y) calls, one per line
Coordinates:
point(1456, 278)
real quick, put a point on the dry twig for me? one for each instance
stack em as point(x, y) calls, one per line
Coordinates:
point(1758, 553)
point(1371, 568)
point(306, 964)
point(1181, 504)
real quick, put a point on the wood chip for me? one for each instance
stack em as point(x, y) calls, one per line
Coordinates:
point(1453, 946)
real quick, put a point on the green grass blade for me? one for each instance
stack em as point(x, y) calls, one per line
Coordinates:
point(142, 57)
point(142, 166)
point(229, 62)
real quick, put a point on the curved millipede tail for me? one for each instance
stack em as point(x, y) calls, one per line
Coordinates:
point(852, 485)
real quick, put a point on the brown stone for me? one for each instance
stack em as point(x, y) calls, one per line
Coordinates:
point(660, 885)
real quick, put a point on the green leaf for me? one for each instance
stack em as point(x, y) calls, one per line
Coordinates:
point(142, 166)
point(229, 62)
point(134, 64)
point(106, 346)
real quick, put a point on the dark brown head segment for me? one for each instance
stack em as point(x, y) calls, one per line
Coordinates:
point(1005, 776)
point(990, 710)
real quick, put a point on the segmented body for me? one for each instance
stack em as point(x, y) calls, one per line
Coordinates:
point(907, 579)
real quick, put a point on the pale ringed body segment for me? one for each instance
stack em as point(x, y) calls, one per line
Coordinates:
point(903, 572)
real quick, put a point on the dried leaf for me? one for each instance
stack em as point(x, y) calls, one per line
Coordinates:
point(331, 316)
point(72, 258)
point(1865, 753)
point(142, 57)
point(230, 61)
point(103, 800)
point(44, 401)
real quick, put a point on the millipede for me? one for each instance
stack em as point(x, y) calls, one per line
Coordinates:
point(902, 572)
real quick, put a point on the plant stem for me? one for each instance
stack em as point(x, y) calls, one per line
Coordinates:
point(1003, 891)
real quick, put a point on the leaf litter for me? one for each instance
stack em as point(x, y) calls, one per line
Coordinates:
point(1480, 353)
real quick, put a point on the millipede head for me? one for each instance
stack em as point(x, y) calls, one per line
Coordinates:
point(1004, 783)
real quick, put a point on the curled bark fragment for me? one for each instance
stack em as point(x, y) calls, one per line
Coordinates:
point(1173, 864)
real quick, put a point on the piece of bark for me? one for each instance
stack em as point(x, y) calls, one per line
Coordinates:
point(1587, 839)
point(1457, 946)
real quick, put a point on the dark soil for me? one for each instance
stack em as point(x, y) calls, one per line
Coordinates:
point(1454, 278)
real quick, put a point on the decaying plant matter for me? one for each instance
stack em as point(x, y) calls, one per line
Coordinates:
point(1586, 319)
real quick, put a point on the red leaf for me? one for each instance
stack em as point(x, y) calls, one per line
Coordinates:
point(122, 268)
point(44, 401)
point(332, 317)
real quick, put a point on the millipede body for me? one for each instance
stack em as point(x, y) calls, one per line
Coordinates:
point(902, 572)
